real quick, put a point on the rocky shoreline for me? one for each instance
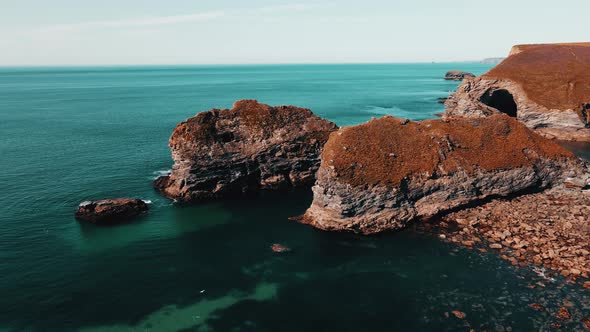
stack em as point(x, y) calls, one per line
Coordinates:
point(485, 176)
point(548, 229)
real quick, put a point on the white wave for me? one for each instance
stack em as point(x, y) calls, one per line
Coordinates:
point(147, 201)
point(159, 173)
point(393, 110)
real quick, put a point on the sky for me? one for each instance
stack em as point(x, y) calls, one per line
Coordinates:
point(142, 32)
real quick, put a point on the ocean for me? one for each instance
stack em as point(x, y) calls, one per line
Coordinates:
point(78, 133)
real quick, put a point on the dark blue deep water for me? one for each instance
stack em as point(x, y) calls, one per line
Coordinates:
point(72, 134)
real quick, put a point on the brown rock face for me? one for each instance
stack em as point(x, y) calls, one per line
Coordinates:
point(110, 211)
point(547, 87)
point(457, 75)
point(383, 174)
point(245, 149)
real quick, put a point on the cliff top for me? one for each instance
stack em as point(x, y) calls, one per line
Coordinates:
point(556, 76)
point(387, 150)
point(522, 47)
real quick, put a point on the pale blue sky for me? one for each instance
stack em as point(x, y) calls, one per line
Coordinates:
point(84, 32)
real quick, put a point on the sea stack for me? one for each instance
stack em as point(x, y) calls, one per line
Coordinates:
point(546, 87)
point(110, 211)
point(457, 75)
point(383, 174)
point(251, 147)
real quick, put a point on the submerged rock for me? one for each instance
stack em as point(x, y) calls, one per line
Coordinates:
point(108, 211)
point(279, 248)
point(245, 149)
point(457, 75)
point(547, 87)
point(383, 174)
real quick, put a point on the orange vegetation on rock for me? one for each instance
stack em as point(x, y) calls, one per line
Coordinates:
point(388, 150)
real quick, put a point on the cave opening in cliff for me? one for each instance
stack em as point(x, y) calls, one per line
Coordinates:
point(502, 100)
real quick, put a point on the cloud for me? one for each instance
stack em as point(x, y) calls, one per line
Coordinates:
point(138, 22)
point(170, 20)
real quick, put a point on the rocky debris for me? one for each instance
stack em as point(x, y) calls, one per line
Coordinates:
point(586, 323)
point(537, 307)
point(279, 248)
point(383, 174)
point(108, 211)
point(563, 314)
point(548, 229)
point(245, 149)
point(457, 75)
point(547, 87)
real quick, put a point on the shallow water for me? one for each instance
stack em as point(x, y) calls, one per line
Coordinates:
point(72, 134)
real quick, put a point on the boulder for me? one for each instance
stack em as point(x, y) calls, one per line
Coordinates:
point(457, 75)
point(251, 147)
point(547, 87)
point(108, 211)
point(384, 174)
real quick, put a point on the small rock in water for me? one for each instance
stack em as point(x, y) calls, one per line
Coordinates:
point(279, 248)
point(459, 314)
point(109, 211)
point(586, 322)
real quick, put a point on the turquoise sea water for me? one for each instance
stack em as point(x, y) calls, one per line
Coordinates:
point(72, 134)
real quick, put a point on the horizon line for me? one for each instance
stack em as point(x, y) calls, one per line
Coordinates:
point(236, 64)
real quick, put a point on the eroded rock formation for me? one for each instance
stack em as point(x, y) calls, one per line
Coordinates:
point(457, 75)
point(383, 174)
point(250, 147)
point(547, 87)
point(109, 211)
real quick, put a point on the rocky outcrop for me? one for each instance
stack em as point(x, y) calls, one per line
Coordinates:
point(109, 211)
point(547, 87)
point(457, 75)
point(383, 174)
point(245, 149)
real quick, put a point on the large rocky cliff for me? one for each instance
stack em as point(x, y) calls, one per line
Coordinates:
point(383, 174)
point(245, 149)
point(546, 86)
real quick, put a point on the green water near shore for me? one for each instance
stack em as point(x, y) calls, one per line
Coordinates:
point(72, 134)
